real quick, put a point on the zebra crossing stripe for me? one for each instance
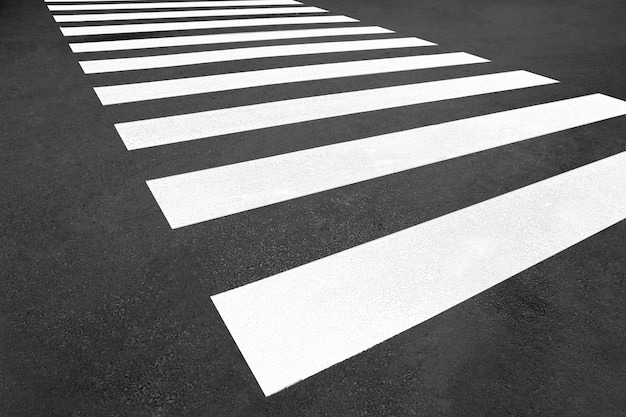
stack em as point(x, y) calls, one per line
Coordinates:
point(97, 17)
point(185, 127)
point(98, 1)
point(171, 5)
point(295, 324)
point(194, 197)
point(205, 57)
point(129, 44)
point(127, 93)
point(207, 24)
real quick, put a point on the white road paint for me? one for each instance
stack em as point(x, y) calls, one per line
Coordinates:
point(128, 93)
point(180, 128)
point(93, 1)
point(210, 24)
point(194, 197)
point(206, 57)
point(128, 44)
point(297, 323)
point(88, 1)
point(97, 17)
point(101, 1)
point(171, 5)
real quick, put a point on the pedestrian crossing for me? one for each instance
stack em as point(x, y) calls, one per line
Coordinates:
point(124, 45)
point(193, 126)
point(295, 324)
point(252, 184)
point(197, 25)
point(194, 13)
point(128, 93)
point(286, 326)
point(171, 5)
point(195, 58)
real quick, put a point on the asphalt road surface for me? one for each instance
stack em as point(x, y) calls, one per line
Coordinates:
point(427, 199)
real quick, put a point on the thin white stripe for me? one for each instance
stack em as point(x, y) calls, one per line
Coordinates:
point(171, 5)
point(128, 93)
point(100, 1)
point(180, 128)
point(184, 14)
point(211, 24)
point(87, 1)
point(94, 1)
point(205, 57)
point(208, 194)
point(128, 44)
point(297, 323)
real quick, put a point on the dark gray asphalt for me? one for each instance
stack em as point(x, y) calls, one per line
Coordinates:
point(105, 311)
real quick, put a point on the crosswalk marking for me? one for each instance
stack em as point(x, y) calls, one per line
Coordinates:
point(194, 197)
point(101, 1)
point(129, 44)
point(171, 5)
point(300, 322)
point(96, 17)
point(206, 57)
point(127, 93)
point(194, 25)
point(180, 128)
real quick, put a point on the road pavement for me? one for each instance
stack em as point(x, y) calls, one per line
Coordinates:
point(427, 198)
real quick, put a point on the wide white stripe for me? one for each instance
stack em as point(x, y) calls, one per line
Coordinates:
point(208, 194)
point(180, 128)
point(171, 5)
point(210, 24)
point(297, 323)
point(127, 44)
point(127, 93)
point(205, 57)
point(184, 14)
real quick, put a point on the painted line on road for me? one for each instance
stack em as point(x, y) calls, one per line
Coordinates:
point(129, 44)
point(207, 24)
point(205, 57)
point(171, 5)
point(198, 196)
point(295, 324)
point(102, 1)
point(98, 17)
point(185, 127)
point(128, 93)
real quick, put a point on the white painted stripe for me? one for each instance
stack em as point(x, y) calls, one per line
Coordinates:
point(180, 128)
point(211, 24)
point(88, 1)
point(205, 57)
point(128, 44)
point(297, 323)
point(128, 93)
point(94, 1)
point(105, 1)
point(99, 1)
point(186, 13)
point(194, 197)
point(171, 5)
